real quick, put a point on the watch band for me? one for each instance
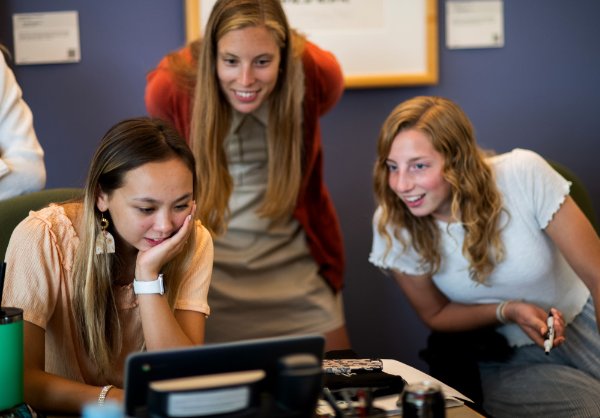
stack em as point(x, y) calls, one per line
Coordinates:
point(149, 287)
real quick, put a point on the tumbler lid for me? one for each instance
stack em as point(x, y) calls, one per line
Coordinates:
point(9, 315)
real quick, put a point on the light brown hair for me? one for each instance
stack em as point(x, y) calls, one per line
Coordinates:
point(476, 200)
point(126, 146)
point(211, 115)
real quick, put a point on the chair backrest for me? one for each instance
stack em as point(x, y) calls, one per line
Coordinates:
point(578, 192)
point(14, 210)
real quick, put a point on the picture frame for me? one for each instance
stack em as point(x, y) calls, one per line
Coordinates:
point(379, 43)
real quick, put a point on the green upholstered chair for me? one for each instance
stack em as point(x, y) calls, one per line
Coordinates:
point(14, 210)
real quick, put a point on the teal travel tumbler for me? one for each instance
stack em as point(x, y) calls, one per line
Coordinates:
point(11, 357)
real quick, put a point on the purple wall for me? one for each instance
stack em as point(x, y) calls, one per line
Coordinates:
point(541, 91)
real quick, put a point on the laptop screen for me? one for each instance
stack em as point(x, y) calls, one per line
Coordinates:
point(269, 355)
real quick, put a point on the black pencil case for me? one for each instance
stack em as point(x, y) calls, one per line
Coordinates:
point(345, 370)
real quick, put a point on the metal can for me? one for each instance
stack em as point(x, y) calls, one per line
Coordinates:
point(423, 400)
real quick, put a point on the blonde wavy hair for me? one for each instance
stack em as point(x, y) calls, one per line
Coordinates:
point(125, 147)
point(476, 200)
point(211, 115)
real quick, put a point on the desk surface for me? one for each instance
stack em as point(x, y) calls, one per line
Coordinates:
point(412, 375)
point(462, 412)
point(457, 412)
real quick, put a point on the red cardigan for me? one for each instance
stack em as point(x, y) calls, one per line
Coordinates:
point(314, 209)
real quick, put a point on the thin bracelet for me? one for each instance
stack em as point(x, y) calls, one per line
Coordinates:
point(500, 311)
point(103, 393)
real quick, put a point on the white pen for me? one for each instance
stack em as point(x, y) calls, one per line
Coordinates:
point(549, 337)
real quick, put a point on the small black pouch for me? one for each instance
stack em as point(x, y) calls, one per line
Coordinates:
point(343, 369)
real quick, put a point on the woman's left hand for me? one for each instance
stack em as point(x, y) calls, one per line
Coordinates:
point(150, 262)
point(533, 321)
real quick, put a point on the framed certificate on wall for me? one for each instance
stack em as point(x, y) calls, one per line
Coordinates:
point(379, 43)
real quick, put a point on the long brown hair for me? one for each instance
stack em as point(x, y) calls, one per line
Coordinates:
point(476, 200)
point(211, 115)
point(127, 145)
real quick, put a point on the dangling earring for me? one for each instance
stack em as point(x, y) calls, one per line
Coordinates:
point(105, 242)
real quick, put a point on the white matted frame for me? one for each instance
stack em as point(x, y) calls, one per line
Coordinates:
point(379, 43)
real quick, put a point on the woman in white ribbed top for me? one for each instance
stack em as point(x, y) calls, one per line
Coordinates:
point(476, 241)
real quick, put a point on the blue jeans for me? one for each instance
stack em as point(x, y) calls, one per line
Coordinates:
point(565, 383)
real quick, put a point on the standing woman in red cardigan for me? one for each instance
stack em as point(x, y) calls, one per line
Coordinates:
point(248, 97)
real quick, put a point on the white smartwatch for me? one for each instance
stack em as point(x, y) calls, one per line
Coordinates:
point(149, 287)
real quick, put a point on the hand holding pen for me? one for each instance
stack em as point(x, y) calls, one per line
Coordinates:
point(554, 330)
point(534, 321)
point(549, 337)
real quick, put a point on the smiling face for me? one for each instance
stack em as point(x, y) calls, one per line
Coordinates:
point(248, 66)
point(416, 175)
point(151, 205)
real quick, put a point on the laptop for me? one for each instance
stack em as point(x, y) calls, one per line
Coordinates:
point(289, 368)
